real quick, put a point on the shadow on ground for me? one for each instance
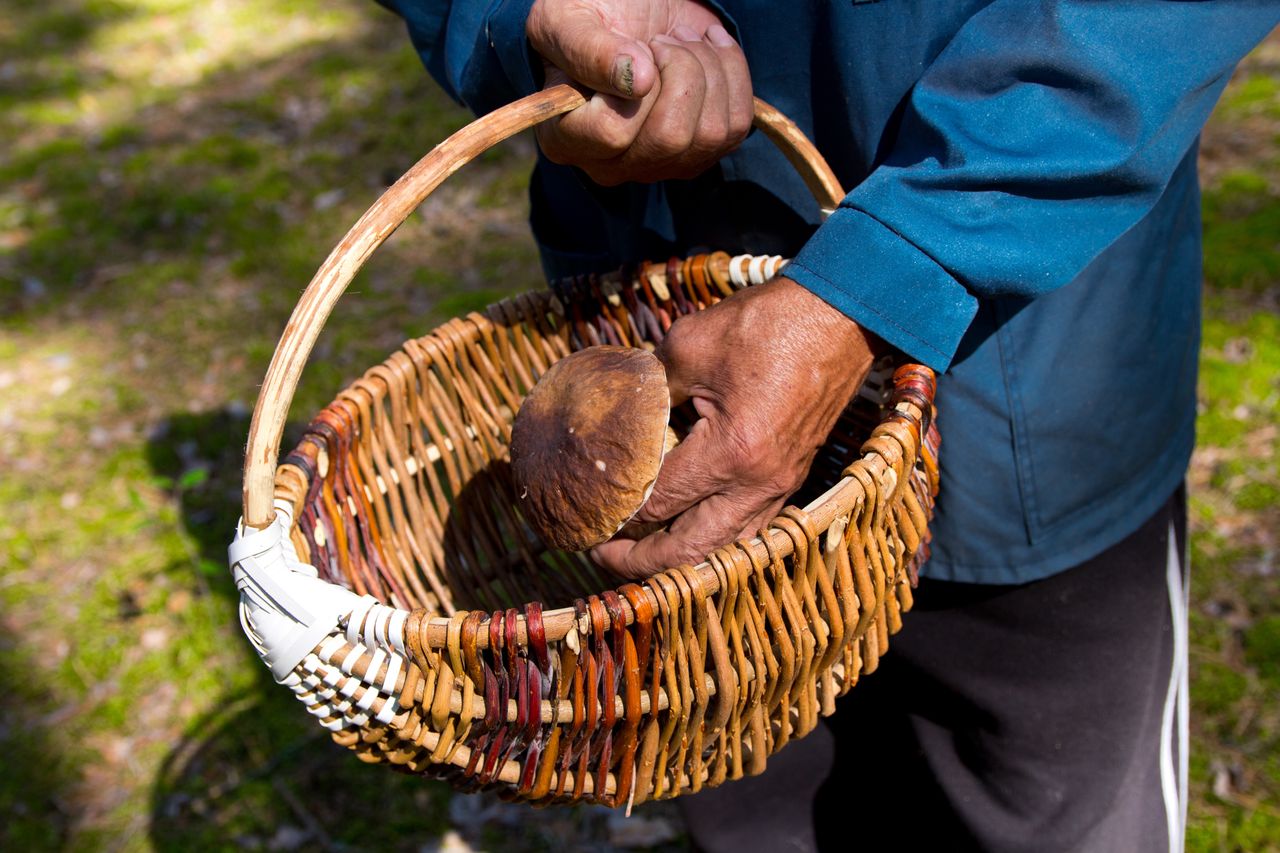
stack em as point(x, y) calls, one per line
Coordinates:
point(32, 761)
point(257, 759)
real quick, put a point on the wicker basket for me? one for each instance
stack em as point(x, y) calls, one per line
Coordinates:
point(387, 578)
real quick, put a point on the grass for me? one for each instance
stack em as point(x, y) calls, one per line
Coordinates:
point(170, 178)
point(1235, 478)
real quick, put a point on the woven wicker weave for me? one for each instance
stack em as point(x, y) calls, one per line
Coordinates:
point(388, 579)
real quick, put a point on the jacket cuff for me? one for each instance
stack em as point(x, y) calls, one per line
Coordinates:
point(888, 286)
point(505, 31)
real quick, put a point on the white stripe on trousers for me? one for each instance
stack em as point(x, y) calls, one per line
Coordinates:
point(1173, 782)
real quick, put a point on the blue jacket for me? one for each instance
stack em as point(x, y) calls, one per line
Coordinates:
point(1024, 216)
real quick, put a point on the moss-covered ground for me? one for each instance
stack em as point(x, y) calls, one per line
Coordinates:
point(171, 174)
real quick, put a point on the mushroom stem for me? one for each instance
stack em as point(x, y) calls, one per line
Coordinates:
point(671, 440)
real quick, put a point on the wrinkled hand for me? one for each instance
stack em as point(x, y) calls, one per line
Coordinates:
point(768, 370)
point(671, 90)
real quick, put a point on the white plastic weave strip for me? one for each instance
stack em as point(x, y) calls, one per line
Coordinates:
point(298, 624)
point(285, 609)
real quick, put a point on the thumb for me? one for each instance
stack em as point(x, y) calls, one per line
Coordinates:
point(579, 43)
point(680, 356)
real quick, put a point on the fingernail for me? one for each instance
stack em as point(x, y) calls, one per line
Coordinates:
point(624, 75)
point(685, 33)
point(719, 36)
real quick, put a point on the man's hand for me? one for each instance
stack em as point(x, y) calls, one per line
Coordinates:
point(672, 92)
point(768, 370)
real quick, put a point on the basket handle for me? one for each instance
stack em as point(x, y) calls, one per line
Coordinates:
point(386, 215)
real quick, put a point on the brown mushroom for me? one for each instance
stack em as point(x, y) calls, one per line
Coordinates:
point(587, 444)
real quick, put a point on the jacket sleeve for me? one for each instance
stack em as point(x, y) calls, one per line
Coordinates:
point(475, 49)
point(1039, 135)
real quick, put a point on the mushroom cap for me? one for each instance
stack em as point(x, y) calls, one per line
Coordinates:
point(587, 444)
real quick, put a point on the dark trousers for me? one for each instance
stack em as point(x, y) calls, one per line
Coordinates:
point(1049, 716)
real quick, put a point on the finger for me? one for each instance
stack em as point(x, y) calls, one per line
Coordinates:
point(691, 471)
point(693, 535)
point(579, 41)
point(669, 129)
point(711, 133)
point(741, 107)
point(615, 557)
point(677, 382)
point(682, 356)
point(752, 528)
point(597, 132)
point(680, 128)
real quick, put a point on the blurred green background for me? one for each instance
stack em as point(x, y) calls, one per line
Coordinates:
point(171, 174)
